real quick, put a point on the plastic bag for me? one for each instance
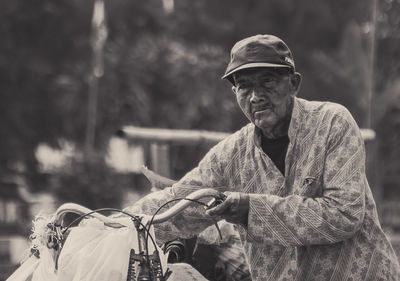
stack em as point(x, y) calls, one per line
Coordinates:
point(96, 252)
point(92, 251)
point(46, 268)
point(24, 272)
point(43, 268)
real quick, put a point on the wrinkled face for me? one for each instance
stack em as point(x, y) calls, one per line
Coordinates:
point(265, 95)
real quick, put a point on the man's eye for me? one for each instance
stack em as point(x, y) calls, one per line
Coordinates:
point(243, 87)
point(269, 80)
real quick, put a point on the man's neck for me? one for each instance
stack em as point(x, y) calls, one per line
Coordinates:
point(281, 129)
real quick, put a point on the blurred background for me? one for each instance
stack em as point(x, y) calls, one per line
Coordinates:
point(74, 73)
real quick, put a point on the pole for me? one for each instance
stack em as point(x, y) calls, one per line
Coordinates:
point(371, 167)
point(98, 39)
point(371, 61)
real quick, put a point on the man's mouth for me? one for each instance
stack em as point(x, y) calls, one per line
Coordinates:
point(262, 108)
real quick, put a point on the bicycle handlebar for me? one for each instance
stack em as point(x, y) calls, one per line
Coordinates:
point(176, 209)
point(81, 210)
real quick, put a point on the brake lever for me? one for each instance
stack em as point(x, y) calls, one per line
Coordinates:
point(215, 201)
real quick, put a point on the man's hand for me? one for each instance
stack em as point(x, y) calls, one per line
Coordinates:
point(234, 209)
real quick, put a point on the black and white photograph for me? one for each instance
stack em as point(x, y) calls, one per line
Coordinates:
point(199, 140)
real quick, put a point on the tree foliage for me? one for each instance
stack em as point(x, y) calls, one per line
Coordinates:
point(162, 69)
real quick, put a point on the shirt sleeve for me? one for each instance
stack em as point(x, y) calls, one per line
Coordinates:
point(193, 219)
point(335, 215)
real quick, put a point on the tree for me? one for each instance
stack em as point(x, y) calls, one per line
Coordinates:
point(163, 69)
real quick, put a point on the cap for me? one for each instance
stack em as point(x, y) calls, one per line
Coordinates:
point(259, 51)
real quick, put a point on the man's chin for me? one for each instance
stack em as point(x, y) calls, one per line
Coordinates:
point(264, 118)
point(263, 123)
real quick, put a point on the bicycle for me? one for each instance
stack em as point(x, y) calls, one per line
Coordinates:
point(142, 265)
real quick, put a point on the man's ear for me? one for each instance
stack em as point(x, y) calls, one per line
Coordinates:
point(295, 82)
point(234, 89)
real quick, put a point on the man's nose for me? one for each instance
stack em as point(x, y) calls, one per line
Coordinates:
point(256, 96)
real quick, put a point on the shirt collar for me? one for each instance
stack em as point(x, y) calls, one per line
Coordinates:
point(295, 119)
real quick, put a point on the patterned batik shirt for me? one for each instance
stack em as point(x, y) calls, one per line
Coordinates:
point(317, 222)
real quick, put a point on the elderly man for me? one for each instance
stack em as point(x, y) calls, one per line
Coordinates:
point(294, 179)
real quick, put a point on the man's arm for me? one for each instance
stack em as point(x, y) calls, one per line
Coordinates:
point(335, 216)
point(193, 220)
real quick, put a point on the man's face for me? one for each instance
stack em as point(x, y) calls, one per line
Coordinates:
point(265, 95)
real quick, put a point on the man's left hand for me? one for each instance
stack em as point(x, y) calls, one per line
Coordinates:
point(234, 209)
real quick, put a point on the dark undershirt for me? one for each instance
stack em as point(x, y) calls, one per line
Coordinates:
point(276, 150)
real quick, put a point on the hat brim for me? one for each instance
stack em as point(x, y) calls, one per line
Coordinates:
point(254, 65)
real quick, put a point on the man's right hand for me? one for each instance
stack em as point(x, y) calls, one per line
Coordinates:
point(234, 208)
